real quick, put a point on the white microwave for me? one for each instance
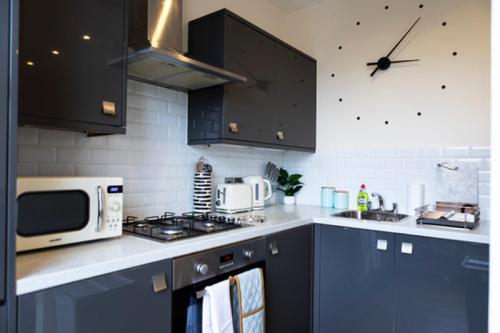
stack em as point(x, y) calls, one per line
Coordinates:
point(55, 211)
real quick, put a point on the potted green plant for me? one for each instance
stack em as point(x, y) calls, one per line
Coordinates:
point(289, 185)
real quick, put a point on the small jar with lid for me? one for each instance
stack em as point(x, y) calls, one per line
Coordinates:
point(341, 199)
point(327, 193)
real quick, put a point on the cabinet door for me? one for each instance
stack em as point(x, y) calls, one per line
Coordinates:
point(295, 117)
point(71, 62)
point(249, 104)
point(355, 275)
point(4, 139)
point(122, 302)
point(441, 286)
point(289, 264)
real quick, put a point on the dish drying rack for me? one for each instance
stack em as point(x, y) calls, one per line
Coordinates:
point(449, 214)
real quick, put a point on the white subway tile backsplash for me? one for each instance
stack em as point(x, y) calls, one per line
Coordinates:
point(27, 136)
point(169, 95)
point(27, 169)
point(56, 138)
point(56, 169)
point(73, 155)
point(158, 166)
point(36, 154)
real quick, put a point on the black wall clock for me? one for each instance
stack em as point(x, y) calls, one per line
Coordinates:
point(384, 63)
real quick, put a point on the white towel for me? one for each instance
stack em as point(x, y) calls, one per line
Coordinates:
point(217, 315)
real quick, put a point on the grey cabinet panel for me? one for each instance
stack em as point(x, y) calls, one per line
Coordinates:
point(4, 107)
point(289, 281)
point(279, 95)
point(119, 302)
point(442, 286)
point(72, 60)
point(249, 104)
point(295, 113)
point(355, 280)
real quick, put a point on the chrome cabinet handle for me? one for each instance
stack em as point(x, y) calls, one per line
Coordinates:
point(406, 248)
point(159, 282)
point(280, 135)
point(476, 264)
point(100, 209)
point(234, 128)
point(273, 247)
point(381, 244)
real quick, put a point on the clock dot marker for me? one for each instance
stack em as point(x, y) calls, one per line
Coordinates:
point(340, 47)
point(421, 6)
point(444, 24)
point(358, 118)
point(419, 114)
point(443, 87)
point(386, 7)
point(358, 23)
point(340, 100)
point(333, 75)
point(387, 122)
point(455, 53)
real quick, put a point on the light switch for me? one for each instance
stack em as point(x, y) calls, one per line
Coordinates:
point(381, 244)
point(407, 248)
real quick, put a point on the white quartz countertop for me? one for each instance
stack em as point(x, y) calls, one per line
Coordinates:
point(53, 267)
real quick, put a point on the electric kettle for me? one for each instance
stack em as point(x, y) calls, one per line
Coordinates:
point(261, 190)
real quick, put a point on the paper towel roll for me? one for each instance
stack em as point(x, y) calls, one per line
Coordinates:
point(416, 197)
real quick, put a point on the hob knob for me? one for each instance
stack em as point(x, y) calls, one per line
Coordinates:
point(202, 269)
point(249, 254)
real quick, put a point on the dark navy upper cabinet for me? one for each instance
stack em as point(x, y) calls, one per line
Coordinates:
point(275, 108)
point(72, 68)
point(354, 280)
point(441, 286)
point(295, 124)
point(127, 302)
point(289, 264)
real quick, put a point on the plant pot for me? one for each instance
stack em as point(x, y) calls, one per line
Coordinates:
point(289, 200)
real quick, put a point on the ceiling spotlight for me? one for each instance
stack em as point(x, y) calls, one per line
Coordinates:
point(55, 52)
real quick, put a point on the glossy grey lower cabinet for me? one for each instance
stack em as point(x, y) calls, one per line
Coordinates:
point(368, 281)
point(441, 286)
point(354, 280)
point(289, 266)
point(123, 302)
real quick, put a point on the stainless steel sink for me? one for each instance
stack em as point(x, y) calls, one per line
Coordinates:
point(372, 215)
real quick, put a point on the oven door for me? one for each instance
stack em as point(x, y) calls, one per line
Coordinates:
point(190, 299)
point(55, 211)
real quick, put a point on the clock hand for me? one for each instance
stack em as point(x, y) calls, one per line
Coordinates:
point(375, 71)
point(392, 62)
point(402, 38)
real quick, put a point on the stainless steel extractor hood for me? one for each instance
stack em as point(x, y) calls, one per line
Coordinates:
point(154, 43)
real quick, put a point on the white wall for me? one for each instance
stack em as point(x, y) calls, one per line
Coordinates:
point(457, 116)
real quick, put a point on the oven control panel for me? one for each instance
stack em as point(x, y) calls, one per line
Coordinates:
point(205, 265)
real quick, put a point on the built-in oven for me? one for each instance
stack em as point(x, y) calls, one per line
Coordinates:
point(192, 273)
point(63, 210)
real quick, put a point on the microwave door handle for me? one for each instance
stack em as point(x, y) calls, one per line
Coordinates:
point(100, 209)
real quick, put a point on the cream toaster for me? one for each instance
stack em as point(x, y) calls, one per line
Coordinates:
point(233, 198)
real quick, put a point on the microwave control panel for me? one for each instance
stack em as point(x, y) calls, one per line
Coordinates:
point(114, 207)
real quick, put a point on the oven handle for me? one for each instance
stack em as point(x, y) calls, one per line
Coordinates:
point(100, 209)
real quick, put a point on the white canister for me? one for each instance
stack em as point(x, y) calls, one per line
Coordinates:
point(341, 199)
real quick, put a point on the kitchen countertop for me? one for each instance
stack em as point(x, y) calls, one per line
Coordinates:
point(53, 267)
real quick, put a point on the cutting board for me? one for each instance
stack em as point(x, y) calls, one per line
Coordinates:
point(457, 185)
